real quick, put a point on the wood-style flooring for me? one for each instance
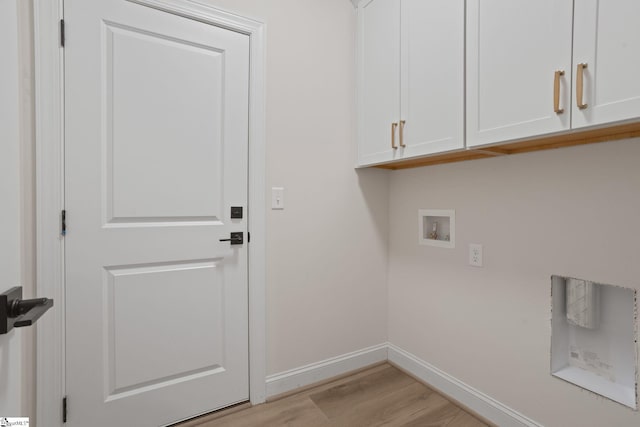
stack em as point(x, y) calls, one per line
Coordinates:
point(380, 396)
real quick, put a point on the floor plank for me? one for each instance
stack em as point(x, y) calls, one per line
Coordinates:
point(399, 408)
point(294, 412)
point(380, 396)
point(463, 419)
point(436, 412)
point(325, 385)
point(340, 399)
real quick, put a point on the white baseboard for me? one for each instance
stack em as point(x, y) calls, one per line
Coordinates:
point(480, 403)
point(473, 399)
point(320, 371)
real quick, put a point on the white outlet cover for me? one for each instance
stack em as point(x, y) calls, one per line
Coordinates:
point(475, 255)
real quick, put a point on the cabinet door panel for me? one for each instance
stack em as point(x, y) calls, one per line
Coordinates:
point(514, 48)
point(379, 79)
point(432, 76)
point(607, 39)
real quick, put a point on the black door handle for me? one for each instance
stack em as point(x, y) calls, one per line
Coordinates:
point(16, 312)
point(21, 306)
point(237, 238)
point(32, 314)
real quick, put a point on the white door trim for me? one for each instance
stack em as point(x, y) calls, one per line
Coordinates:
point(50, 194)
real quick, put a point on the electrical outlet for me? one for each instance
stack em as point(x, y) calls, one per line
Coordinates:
point(475, 255)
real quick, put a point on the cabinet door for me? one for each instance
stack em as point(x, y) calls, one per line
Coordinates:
point(514, 48)
point(607, 39)
point(379, 79)
point(432, 76)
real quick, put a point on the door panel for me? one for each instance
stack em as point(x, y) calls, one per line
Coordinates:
point(185, 135)
point(432, 76)
point(133, 363)
point(156, 144)
point(379, 82)
point(513, 51)
point(607, 39)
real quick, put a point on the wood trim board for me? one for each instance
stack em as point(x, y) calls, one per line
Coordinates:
point(589, 136)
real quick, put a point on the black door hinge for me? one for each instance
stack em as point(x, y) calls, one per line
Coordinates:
point(62, 32)
point(64, 409)
point(63, 223)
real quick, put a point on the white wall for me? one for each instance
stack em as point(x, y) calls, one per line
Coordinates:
point(573, 211)
point(326, 252)
point(10, 344)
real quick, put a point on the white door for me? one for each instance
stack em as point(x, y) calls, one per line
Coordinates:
point(11, 343)
point(379, 81)
point(156, 146)
point(607, 40)
point(514, 49)
point(432, 113)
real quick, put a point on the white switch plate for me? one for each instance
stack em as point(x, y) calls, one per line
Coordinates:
point(277, 198)
point(475, 255)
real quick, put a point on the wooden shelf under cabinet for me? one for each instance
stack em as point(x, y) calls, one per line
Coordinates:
point(591, 136)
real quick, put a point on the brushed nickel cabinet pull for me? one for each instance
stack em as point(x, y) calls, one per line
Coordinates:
point(556, 92)
point(580, 86)
point(402, 122)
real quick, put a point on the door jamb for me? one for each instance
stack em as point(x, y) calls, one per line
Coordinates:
point(49, 96)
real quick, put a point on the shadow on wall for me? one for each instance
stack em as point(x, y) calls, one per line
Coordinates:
point(374, 185)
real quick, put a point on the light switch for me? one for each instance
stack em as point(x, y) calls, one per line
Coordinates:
point(277, 198)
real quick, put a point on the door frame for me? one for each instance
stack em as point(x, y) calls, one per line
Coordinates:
point(49, 97)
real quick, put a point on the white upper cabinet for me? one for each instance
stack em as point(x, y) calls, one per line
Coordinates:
point(411, 79)
point(606, 39)
point(431, 81)
point(514, 49)
point(379, 79)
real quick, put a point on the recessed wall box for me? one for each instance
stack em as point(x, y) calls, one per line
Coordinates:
point(593, 337)
point(437, 227)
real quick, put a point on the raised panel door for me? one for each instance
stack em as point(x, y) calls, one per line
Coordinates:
point(156, 147)
point(379, 80)
point(514, 49)
point(432, 76)
point(607, 40)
